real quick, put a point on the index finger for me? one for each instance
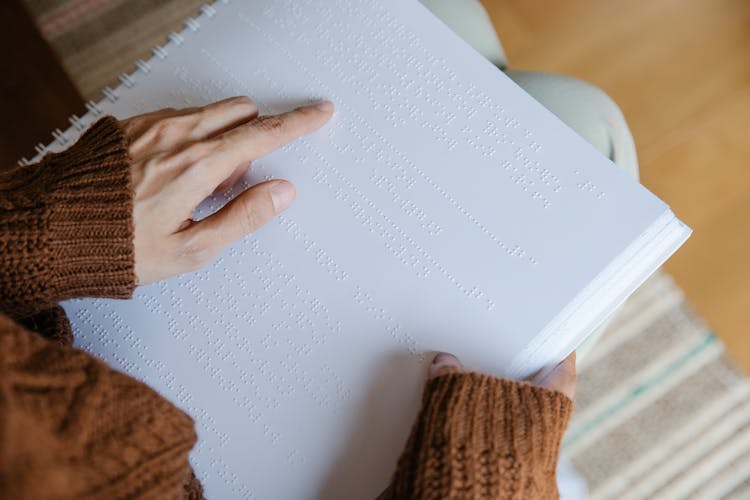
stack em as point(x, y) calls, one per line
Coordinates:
point(256, 139)
point(163, 130)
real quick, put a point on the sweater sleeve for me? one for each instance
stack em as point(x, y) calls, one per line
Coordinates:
point(66, 225)
point(481, 437)
point(71, 427)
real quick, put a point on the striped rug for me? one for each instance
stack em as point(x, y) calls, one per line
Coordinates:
point(98, 40)
point(660, 412)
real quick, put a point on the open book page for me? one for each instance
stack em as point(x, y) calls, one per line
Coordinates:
point(441, 209)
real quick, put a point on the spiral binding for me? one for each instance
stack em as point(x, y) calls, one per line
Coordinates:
point(208, 11)
point(77, 123)
point(177, 39)
point(143, 66)
point(192, 24)
point(94, 108)
point(127, 80)
point(160, 52)
point(60, 138)
point(110, 94)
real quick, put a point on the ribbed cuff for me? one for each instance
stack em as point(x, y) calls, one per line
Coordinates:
point(483, 437)
point(490, 413)
point(90, 238)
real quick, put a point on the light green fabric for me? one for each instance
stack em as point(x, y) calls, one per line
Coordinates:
point(587, 110)
point(469, 20)
point(582, 106)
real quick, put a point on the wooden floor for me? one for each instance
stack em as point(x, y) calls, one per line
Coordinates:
point(680, 71)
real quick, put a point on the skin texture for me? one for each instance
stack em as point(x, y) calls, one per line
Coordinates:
point(180, 157)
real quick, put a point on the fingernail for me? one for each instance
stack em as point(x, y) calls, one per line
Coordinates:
point(324, 106)
point(441, 361)
point(282, 195)
point(443, 358)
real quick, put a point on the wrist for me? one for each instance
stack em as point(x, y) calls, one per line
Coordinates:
point(488, 431)
point(89, 217)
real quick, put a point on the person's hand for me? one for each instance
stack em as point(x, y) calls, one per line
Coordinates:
point(180, 157)
point(468, 432)
point(562, 378)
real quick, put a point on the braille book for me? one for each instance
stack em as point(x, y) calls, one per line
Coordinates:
point(441, 209)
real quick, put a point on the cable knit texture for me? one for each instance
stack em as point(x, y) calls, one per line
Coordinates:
point(480, 437)
point(72, 427)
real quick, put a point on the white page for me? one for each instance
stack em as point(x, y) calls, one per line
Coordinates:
point(441, 209)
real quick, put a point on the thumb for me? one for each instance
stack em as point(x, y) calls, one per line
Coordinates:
point(245, 214)
point(561, 378)
point(443, 364)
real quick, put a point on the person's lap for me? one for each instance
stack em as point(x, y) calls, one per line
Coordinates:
point(582, 106)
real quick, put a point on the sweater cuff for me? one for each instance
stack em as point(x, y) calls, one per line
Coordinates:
point(90, 239)
point(489, 413)
point(483, 437)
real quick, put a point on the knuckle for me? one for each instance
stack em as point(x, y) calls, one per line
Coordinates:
point(241, 99)
point(243, 102)
point(274, 125)
point(156, 163)
point(196, 152)
point(130, 128)
point(163, 131)
point(198, 183)
point(159, 114)
point(205, 148)
point(186, 121)
point(192, 118)
point(154, 130)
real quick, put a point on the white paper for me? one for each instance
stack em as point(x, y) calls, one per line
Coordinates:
point(442, 209)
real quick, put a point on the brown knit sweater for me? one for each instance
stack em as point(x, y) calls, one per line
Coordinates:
point(72, 427)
